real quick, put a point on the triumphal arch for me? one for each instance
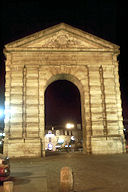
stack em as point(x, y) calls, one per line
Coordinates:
point(62, 52)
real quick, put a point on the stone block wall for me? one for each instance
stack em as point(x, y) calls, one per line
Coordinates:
point(107, 145)
point(24, 147)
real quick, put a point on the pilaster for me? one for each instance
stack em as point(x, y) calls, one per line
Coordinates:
point(16, 102)
point(96, 102)
point(42, 83)
point(88, 114)
point(32, 102)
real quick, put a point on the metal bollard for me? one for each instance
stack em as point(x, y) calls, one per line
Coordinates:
point(66, 180)
point(8, 186)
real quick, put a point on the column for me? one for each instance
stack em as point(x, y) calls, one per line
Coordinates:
point(32, 103)
point(105, 130)
point(88, 116)
point(110, 100)
point(7, 102)
point(96, 102)
point(16, 102)
point(118, 95)
point(42, 83)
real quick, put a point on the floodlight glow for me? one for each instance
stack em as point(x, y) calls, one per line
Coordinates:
point(10, 111)
point(6, 120)
point(69, 125)
point(1, 112)
point(13, 110)
point(7, 112)
point(7, 115)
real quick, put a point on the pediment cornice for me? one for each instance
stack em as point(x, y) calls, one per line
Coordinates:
point(61, 37)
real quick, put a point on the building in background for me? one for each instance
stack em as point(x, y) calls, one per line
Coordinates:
point(61, 139)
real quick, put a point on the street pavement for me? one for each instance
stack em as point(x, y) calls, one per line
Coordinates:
point(91, 173)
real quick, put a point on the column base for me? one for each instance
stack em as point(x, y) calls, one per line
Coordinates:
point(111, 144)
point(30, 147)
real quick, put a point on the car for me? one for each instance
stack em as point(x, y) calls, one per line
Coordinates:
point(4, 168)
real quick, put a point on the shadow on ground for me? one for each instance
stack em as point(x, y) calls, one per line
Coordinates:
point(20, 177)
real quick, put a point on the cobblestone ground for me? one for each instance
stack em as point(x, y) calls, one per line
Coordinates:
point(92, 173)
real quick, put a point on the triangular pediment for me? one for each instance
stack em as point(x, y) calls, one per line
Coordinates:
point(62, 39)
point(61, 36)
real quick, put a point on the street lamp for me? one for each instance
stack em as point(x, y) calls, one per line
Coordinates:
point(69, 125)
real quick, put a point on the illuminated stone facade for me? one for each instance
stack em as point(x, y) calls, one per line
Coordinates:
point(62, 52)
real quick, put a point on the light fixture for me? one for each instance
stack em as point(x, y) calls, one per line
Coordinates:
point(69, 125)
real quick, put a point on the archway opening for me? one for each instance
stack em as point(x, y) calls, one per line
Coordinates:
point(63, 124)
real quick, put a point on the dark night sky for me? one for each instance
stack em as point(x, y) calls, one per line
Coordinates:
point(99, 17)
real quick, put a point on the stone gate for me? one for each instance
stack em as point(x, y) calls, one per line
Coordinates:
point(62, 52)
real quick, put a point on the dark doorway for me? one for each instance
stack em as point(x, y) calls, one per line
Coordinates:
point(62, 106)
point(62, 103)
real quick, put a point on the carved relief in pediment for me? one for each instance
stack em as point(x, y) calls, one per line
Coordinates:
point(62, 39)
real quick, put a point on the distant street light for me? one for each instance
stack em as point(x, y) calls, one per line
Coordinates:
point(69, 125)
